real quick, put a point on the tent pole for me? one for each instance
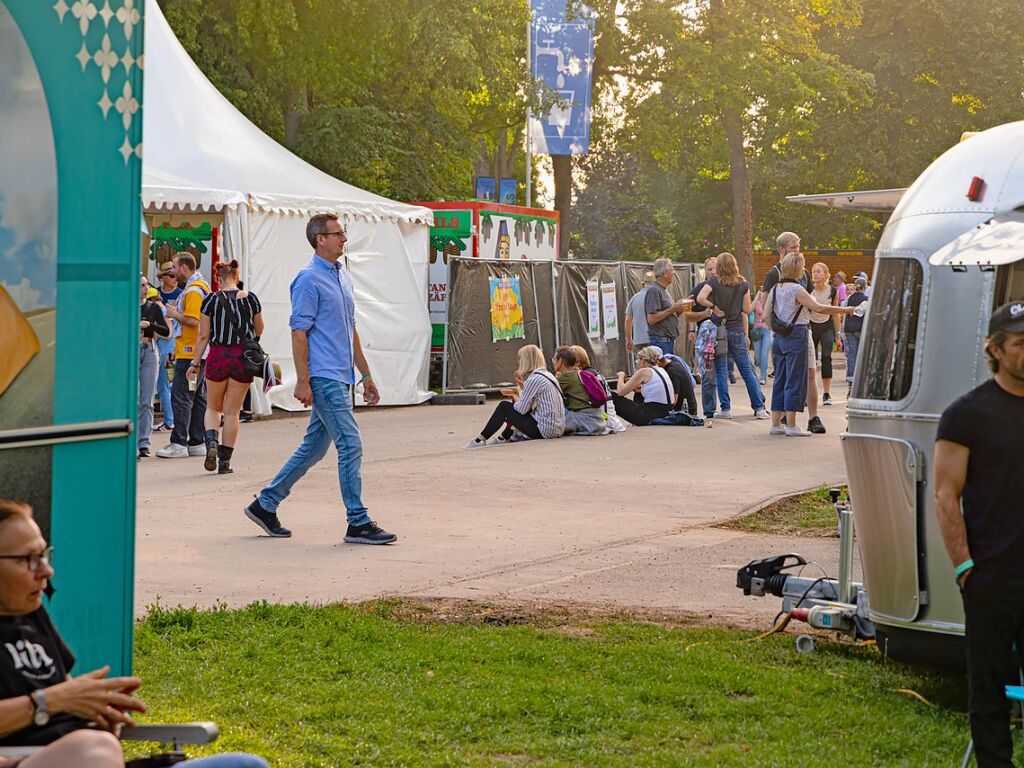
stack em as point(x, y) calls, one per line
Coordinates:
point(536, 310)
point(447, 299)
point(529, 113)
point(554, 303)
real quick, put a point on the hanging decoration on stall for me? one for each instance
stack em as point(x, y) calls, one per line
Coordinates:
point(506, 309)
point(610, 310)
point(593, 309)
point(165, 240)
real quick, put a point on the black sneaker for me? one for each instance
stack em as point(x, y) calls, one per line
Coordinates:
point(815, 426)
point(826, 399)
point(143, 453)
point(371, 533)
point(267, 521)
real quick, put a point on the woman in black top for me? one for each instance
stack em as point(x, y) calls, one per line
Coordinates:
point(226, 379)
point(41, 704)
point(152, 324)
point(729, 297)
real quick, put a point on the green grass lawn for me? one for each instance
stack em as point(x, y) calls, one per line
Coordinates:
point(805, 514)
point(388, 684)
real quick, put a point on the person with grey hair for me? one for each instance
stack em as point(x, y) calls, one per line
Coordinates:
point(662, 312)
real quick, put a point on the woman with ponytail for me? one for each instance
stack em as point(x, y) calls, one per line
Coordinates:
point(226, 318)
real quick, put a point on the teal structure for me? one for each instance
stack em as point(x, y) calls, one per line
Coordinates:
point(86, 55)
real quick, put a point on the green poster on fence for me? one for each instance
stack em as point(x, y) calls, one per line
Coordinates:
point(70, 174)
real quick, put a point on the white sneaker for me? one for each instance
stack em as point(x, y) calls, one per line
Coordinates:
point(796, 432)
point(499, 440)
point(173, 451)
point(197, 450)
point(476, 442)
point(779, 430)
point(762, 414)
point(723, 415)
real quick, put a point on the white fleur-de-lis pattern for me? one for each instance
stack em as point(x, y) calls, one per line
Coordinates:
point(107, 31)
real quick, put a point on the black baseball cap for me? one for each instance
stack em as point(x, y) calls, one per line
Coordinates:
point(1009, 318)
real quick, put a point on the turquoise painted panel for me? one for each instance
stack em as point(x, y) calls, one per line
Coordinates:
point(87, 57)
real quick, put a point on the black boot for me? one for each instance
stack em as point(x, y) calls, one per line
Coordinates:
point(211, 450)
point(224, 454)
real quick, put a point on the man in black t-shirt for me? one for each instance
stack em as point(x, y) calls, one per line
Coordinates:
point(697, 314)
point(978, 452)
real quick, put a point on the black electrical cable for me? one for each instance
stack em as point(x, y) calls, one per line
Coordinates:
point(807, 591)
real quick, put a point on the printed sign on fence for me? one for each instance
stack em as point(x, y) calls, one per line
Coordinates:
point(506, 309)
point(593, 309)
point(611, 311)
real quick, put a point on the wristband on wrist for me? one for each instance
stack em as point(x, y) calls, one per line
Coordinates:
point(366, 376)
point(965, 566)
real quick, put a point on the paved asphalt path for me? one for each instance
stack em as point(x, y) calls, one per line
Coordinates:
point(624, 520)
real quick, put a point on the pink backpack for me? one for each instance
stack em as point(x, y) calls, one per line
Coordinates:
point(595, 388)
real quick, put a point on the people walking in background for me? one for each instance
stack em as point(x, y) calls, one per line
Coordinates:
point(326, 349)
point(980, 508)
point(188, 390)
point(701, 315)
point(852, 326)
point(790, 303)
point(152, 325)
point(867, 283)
point(537, 412)
point(839, 283)
point(729, 297)
point(653, 385)
point(229, 317)
point(824, 327)
point(760, 338)
point(169, 292)
point(663, 313)
point(637, 336)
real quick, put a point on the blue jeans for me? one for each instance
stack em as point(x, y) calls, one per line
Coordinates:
point(761, 348)
point(738, 353)
point(227, 760)
point(852, 345)
point(789, 392)
point(665, 344)
point(331, 421)
point(164, 347)
point(147, 384)
point(708, 393)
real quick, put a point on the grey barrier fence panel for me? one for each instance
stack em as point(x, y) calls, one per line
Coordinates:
point(571, 278)
point(472, 359)
point(544, 285)
point(682, 286)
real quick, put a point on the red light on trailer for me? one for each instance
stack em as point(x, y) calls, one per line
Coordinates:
point(976, 189)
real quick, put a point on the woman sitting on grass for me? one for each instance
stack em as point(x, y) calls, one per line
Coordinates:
point(74, 719)
point(538, 412)
point(581, 416)
point(653, 385)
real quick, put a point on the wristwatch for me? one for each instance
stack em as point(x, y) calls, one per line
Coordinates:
point(40, 714)
point(365, 377)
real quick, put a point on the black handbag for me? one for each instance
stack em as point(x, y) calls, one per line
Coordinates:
point(778, 325)
point(253, 357)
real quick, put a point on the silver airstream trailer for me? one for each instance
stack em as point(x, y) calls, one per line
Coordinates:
point(953, 250)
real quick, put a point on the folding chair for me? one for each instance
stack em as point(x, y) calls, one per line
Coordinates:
point(1014, 693)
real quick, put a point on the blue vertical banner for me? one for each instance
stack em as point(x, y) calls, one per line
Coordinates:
point(562, 62)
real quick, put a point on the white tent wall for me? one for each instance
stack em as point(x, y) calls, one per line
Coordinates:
point(388, 262)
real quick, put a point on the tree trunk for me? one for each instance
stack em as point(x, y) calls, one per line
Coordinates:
point(563, 200)
point(294, 110)
point(742, 198)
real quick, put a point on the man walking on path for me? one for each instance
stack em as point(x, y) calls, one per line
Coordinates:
point(662, 312)
point(188, 390)
point(978, 450)
point(325, 346)
point(169, 293)
point(636, 317)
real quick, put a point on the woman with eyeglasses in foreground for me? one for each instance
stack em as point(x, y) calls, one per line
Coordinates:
point(74, 719)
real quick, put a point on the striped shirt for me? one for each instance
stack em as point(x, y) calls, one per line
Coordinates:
point(222, 333)
point(542, 397)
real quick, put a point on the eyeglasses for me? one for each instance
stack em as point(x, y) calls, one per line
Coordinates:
point(339, 233)
point(34, 560)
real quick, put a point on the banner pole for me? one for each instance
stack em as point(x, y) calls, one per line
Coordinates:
point(529, 111)
point(447, 300)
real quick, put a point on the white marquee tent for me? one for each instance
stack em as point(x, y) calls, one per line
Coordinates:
point(202, 154)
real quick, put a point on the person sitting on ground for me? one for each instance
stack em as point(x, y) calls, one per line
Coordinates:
point(790, 303)
point(74, 719)
point(536, 413)
point(682, 383)
point(584, 364)
point(652, 383)
point(581, 416)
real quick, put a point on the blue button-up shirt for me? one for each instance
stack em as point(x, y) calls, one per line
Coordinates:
point(323, 306)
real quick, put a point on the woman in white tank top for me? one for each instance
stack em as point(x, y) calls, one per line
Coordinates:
point(654, 386)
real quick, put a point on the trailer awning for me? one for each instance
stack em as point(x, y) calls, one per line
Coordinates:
point(878, 200)
point(995, 243)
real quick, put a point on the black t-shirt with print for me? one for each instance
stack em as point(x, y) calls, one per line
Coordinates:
point(33, 656)
point(989, 422)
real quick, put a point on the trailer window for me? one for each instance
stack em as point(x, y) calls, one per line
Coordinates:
point(885, 368)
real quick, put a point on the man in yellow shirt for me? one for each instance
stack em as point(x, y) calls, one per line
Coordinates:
point(189, 404)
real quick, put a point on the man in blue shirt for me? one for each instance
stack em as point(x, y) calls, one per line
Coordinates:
point(325, 346)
